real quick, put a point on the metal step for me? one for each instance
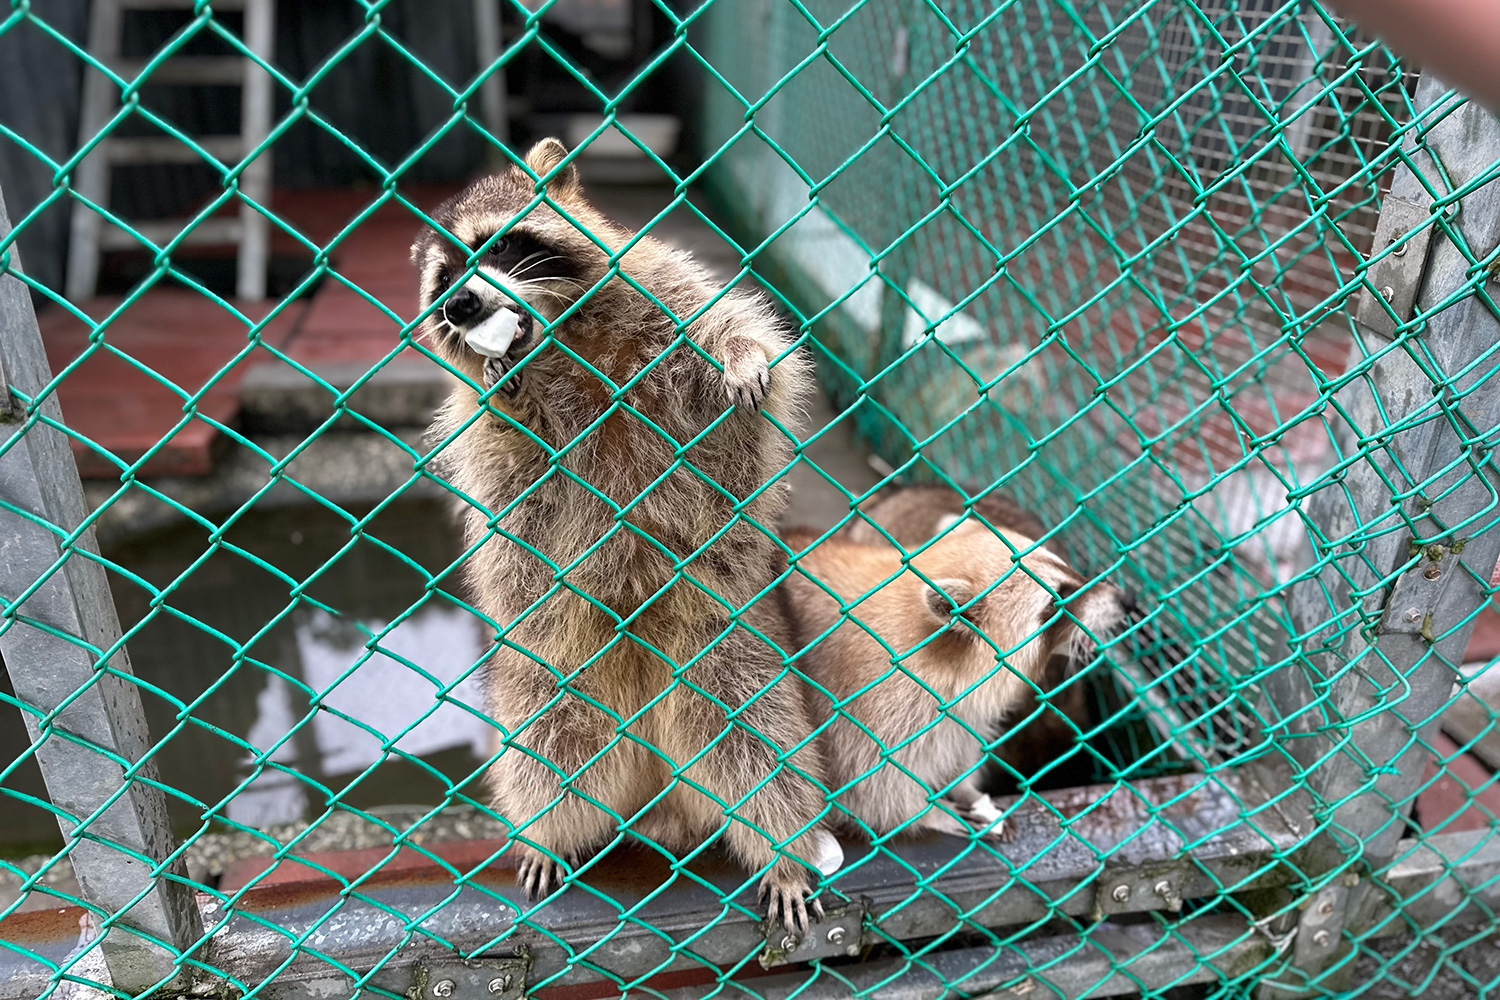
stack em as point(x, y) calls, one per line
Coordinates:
point(168, 149)
point(89, 234)
point(208, 232)
point(187, 70)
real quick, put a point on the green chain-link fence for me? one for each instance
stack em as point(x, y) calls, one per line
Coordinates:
point(1206, 286)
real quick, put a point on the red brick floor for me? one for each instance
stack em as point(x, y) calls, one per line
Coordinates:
point(126, 394)
point(1464, 796)
point(341, 323)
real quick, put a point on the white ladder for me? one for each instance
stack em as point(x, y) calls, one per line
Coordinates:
point(89, 236)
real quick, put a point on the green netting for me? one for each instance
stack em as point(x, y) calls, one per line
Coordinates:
point(1102, 258)
point(1098, 234)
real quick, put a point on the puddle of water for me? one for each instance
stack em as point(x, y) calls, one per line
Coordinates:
point(371, 697)
point(328, 700)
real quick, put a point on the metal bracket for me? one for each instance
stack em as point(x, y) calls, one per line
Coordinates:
point(1320, 929)
point(1417, 591)
point(452, 978)
point(1135, 891)
point(1397, 277)
point(840, 933)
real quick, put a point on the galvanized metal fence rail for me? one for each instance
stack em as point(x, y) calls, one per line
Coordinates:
point(1208, 285)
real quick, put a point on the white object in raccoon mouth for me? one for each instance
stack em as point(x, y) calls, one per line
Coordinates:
point(493, 337)
point(830, 855)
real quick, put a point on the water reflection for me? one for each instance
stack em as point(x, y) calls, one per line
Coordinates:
point(274, 681)
point(392, 691)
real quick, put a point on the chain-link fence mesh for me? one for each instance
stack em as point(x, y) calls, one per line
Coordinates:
point(1103, 259)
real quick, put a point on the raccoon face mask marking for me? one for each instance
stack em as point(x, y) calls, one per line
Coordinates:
point(518, 266)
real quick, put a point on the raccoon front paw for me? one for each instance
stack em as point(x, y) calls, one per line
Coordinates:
point(493, 372)
point(498, 371)
point(747, 377)
point(539, 875)
point(982, 815)
point(783, 892)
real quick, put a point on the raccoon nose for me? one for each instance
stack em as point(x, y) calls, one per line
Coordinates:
point(462, 307)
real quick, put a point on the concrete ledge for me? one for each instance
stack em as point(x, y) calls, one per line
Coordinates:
point(276, 398)
point(351, 470)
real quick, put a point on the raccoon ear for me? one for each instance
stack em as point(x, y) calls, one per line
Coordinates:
point(958, 593)
point(544, 158)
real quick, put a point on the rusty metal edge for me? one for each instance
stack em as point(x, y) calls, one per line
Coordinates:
point(1443, 879)
point(577, 937)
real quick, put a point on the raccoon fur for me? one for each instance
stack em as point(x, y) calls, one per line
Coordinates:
point(913, 515)
point(601, 463)
point(965, 655)
point(1047, 732)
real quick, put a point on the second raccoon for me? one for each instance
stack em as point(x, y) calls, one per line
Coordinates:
point(1041, 746)
point(907, 719)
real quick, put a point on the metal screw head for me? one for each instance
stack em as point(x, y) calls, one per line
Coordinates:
point(1162, 888)
point(442, 988)
point(836, 935)
point(1413, 614)
point(1325, 907)
point(1433, 572)
point(1399, 251)
point(789, 943)
point(1321, 939)
point(499, 984)
point(1387, 292)
point(1121, 894)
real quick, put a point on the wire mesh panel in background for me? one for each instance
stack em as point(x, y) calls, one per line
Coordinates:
point(1206, 286)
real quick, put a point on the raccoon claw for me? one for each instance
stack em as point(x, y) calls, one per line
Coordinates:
point(786, 903)
point(747, 380)
point(539, 876)
point(497, 371)
point(492, 372)
point(1002, 832)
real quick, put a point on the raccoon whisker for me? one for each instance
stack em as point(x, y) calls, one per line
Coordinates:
point(578, 286)
point(526, 283)
point(537, 285)
point(554, 295)
point(522, 263)
point(520, 269)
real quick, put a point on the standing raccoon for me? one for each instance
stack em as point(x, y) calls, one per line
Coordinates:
point(613, 504)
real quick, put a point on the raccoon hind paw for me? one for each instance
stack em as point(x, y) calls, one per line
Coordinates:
point(539, 875)
point(785, 899)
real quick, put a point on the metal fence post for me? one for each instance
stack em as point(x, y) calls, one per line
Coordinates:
point(91, 728)
point(1408, 541)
